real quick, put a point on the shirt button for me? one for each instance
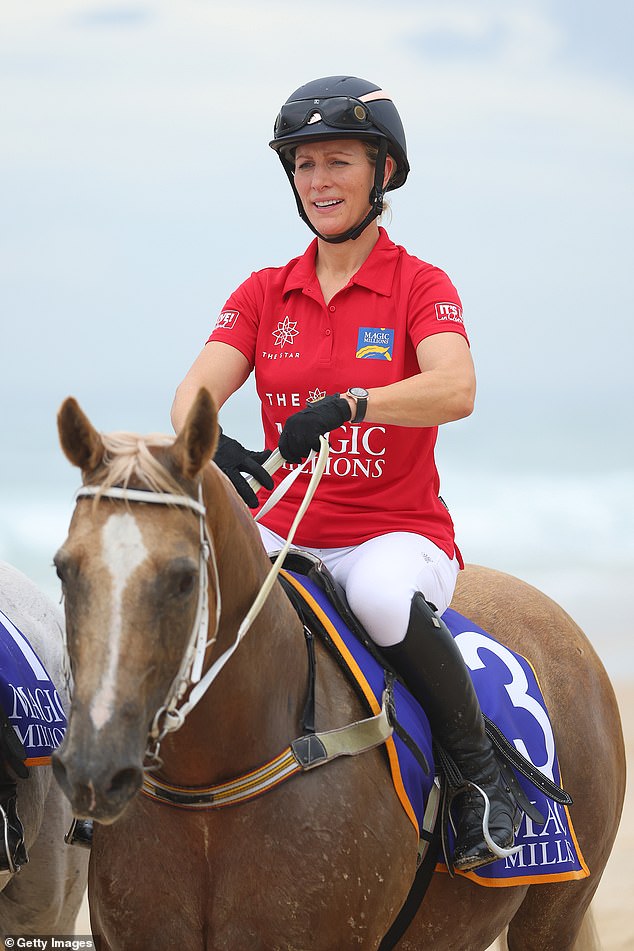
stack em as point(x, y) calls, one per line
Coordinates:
point(332, 308)
point(328, 332)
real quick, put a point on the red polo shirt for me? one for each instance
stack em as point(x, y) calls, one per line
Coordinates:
point(379, 478)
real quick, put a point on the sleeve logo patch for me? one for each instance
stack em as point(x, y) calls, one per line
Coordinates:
point(227, 320)
point(375, 343)
point(447, 311)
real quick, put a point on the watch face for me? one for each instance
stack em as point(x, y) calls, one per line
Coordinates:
point(358, 392)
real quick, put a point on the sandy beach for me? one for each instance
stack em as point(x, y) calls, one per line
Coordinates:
point(612, 905)
point(613, 902)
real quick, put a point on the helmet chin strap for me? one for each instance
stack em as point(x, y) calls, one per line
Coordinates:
point(376, 202)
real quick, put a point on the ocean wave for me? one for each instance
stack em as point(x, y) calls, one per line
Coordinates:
point(543, 519)
point(570, 536)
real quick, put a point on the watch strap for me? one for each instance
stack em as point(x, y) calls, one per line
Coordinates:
point(361, 403)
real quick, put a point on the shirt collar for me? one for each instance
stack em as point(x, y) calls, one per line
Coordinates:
point(376, 273)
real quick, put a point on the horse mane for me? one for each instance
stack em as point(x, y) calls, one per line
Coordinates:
point(129, 455)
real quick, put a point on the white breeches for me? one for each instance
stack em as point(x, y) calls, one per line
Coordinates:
point(381, 576)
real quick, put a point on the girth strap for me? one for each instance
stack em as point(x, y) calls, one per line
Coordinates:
point(427, 855)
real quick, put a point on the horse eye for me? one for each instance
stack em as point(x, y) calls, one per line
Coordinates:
point(61, 562)
point(186, 584)
point(182, 575)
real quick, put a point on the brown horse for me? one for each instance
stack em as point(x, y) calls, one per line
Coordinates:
point(324, 861)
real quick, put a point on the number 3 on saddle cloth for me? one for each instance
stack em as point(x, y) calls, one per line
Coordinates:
point(510, 699)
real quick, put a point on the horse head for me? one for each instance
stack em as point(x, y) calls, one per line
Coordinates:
point(132, 577)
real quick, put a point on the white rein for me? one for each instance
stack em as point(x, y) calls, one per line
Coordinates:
point(172, 714)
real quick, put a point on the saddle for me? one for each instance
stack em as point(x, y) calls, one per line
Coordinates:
point(311, 587)
point(306, 564)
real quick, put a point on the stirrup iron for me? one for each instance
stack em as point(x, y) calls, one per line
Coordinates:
point(492, 845)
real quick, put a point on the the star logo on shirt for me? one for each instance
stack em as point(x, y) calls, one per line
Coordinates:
point(315, 395)
point(285, 332)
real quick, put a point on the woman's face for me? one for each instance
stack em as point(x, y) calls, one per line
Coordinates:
point(334, 179)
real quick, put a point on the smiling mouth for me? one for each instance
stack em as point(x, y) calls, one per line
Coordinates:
point(329, 203)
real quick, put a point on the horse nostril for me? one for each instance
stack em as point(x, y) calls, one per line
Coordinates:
point(127, 779)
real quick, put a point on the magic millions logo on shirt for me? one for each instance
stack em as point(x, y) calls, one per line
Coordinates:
point(375, 343)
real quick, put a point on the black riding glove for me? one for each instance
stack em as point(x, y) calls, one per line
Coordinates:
point(302, 430)
point(234, 459)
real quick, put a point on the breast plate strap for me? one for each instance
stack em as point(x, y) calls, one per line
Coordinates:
point(303, 754)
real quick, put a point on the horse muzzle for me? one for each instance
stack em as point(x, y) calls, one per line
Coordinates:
point(97, 785)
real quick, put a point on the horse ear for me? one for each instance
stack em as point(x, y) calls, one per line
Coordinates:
point(196, 443)
point(80, 441)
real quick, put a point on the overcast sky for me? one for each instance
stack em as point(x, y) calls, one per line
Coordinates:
point(138, 190)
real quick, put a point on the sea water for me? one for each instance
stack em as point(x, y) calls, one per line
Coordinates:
point(569, 534)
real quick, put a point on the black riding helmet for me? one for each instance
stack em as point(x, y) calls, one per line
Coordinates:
point(337, 107)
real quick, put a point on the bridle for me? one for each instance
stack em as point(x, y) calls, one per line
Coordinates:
point(190, 677)
point(171, 715)
point(304, 753)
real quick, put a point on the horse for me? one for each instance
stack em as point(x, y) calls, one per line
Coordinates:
point(325, 860)
point(44, 896)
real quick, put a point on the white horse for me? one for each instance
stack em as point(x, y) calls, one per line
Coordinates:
point(44, 897)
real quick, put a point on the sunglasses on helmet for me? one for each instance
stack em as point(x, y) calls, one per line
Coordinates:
point(338, 112)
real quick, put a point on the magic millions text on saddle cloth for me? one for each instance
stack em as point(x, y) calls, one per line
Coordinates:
point(28, 696)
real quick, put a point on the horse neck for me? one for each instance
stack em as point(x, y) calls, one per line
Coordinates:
point(253, 708)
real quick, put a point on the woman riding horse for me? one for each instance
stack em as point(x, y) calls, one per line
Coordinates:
point(360, 339)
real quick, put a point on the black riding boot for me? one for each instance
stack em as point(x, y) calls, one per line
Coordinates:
point(433, 668)
point(13, 854)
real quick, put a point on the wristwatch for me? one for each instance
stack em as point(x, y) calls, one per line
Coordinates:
point(360, 397)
